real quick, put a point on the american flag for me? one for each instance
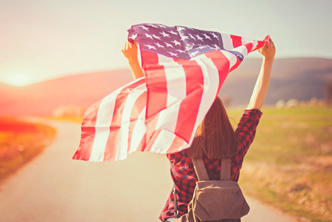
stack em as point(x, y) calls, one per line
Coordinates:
point(184, 71)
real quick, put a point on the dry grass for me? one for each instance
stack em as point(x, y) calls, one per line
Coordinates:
point(290, 162)
point(67, 119)
point(21, 141)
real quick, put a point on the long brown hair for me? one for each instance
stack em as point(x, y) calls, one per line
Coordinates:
point(215, 137)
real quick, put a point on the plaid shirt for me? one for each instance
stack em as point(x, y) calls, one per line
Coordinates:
point(183, 173)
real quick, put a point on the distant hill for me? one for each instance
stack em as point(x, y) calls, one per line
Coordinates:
point(43, 98)
point(292, 78)
point(298, 78)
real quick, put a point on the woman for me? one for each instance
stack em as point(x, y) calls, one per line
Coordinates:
point(215, 138)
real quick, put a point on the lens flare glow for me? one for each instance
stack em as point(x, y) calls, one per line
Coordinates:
point(17, 79)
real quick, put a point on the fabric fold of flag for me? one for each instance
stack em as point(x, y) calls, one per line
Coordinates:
point(184, 71)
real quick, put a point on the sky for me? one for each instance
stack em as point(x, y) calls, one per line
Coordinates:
point(46, 39)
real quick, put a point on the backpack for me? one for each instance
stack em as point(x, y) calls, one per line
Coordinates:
point(215, 200)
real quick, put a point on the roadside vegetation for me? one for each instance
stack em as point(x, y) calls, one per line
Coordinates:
point(289, 165)
point(20, 142)
point(74, 119)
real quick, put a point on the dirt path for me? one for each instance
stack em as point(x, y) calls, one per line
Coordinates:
point(54, 188)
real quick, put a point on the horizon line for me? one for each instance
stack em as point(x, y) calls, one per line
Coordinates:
point(128, 68)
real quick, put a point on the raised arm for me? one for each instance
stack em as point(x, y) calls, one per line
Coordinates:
point(263, 79)
point(129, 50)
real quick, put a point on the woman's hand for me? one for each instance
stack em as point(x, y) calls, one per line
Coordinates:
point(130, 50)
point(262, 83)
point(268, 50)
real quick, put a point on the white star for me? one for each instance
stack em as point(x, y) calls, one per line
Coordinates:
point(184, 37)
point(154, 26)
point(163, 26)
point(156, 37)
point(168, 45)
point(181, 51)
point(174, 33)
point(148, 36)
point(191, 36)
point(160, 46)
point(199, 38)
point(151, 47)
point(189, 46)
point(176, 43)
point(215, 46)
point(164, 34)
point(206, 36)
point(194, 53)
point(173, 54)
point(133, 36)
point(145, 28)
point(214, 35)
point(181, 28)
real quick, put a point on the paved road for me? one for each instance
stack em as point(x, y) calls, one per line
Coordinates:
point(54, 188)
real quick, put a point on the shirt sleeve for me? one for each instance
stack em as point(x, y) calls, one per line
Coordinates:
point(246, 130)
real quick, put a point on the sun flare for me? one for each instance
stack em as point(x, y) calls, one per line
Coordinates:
point(17, 80)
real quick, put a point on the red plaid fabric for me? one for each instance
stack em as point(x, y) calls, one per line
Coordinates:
point(183, 173)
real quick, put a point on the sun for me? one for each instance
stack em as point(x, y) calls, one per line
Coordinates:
point(17, 80)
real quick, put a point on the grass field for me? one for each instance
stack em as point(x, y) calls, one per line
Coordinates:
point(20, 141)
point(289, 165)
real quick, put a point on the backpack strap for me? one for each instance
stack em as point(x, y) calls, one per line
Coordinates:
point(225, 171)
point(200, 169)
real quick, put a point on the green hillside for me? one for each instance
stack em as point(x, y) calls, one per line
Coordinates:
point(289, 165)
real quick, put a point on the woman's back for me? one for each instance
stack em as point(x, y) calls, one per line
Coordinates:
point(183, 173)
point(215, 139)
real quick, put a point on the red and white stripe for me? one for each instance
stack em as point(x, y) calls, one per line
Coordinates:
point(159, 113)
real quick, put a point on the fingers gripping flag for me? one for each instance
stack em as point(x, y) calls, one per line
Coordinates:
point(184, 71)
